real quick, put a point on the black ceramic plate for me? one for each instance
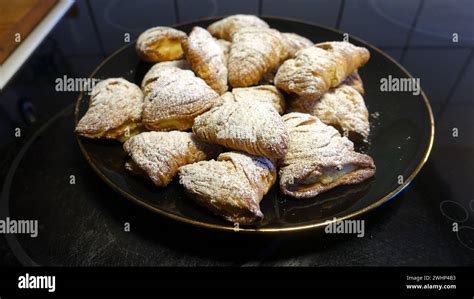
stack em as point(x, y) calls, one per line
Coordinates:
point(402, 131)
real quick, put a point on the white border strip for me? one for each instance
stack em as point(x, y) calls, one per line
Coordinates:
point(21, 54)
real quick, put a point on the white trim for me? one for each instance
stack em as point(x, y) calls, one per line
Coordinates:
point(19, 56)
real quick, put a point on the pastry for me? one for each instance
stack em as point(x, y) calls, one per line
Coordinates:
point(319, 159)
point(225, 28)
point(225, 46)
point(268, 78)
point(294, 42)
point(207, 59)
point(342, 107)
point(262, 93)
point(355, 81)
point(160, 44)
point(316, 69)
point(173, 98)
point(254, 51)
point(250, 126)
point(154, 72)
point(158, 155)
point(114, 112)
point(232, 186)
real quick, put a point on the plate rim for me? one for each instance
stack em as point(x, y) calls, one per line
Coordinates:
point(306, 227)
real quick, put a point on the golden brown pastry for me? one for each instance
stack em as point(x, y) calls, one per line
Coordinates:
point(294, 42)
point(232, 186)
point(254, 51)
point(316, 69)
point(262, 93)
point(341, 107)
point(225, 28)
point(355, 81)
point(252, 127)
point(225, 46)
point(158, 155)
point(114, 112)
point(173, 98)
point(269, 77)
point(207, 59)
point(154, 72)
point(160, 44)
point(319, 159)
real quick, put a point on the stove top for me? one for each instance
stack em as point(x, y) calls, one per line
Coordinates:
point(82, 224)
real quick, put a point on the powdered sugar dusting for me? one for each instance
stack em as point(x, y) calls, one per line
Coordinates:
point(113, 103)
point(252, 127)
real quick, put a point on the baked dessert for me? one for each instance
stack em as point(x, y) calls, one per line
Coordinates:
point(232, 186)
point(355, 81)
point(225, 28)
point(268, 78)
point(342, 107)
point(316, 69)
point(114, 112)
point(262, 93)
point(225, 46)
point(154, 72)
point(250, 126)
point(160, 44)
point(294, 42)
point(158, 155)
point(207, 59)
point(319, 159)
point(228, 85)
point(173, 98)
point(254, 51)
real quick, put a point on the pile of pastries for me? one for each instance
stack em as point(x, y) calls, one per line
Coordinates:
point(228, 107)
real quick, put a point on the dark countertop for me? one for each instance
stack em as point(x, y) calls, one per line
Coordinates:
point(83, 224)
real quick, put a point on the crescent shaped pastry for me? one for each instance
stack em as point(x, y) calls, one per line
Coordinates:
point(316, 69)
point(341, 107)
point(154, 72)
point(225, 28)
point(173, 98)
point(114, 112)
point(160, 44)
point(207, 59)
point(252, 127)
point(355, 81)
point(232, 186)
point(158, 155)
point(262, 93)
point(254, 52)
point(225, 46)
point(294, 42)
point(319, 159)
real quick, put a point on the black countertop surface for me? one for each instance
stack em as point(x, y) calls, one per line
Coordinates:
point(83, 223)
